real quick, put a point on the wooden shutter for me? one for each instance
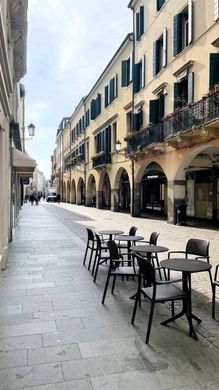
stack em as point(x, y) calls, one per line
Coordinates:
point(98, 104)
point(155, 58)
point(108, 139)
point(177, 34)
point(216, 10)
point(106, 96)
point(137, 26)
point(141, 21)
point(142, 72)
point(130, 67)
point(165, 47)
point(190, 81)
point(111, 90)
point(141, 118)
point(93, 109)
point(153, 111)
point(176, 94)
point(124, 74)
point(161, 106)
point(190, 19)
point(134, 123)
point(115, 92)
point(213, 70)
point(136, 78)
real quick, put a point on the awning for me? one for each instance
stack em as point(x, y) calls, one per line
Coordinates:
point(22, 163)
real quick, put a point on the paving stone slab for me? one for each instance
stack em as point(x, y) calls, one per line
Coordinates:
point(53, 354)
point(83, 384)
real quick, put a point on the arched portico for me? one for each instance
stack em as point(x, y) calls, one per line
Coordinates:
point(91, 191)
point(80, 191)
point(104, 192)
point(121, 200)
point(64, 191)
point(68, 192)
point(73, 192)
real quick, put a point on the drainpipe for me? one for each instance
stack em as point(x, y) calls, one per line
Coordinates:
point(85, 171)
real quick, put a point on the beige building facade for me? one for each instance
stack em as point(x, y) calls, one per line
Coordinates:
point(159, 97)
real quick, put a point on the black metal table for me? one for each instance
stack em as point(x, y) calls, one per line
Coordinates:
point(110, 233)
point(129, 239)
point(187, 267)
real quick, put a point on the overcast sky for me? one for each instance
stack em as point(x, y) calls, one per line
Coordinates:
point(70, 42)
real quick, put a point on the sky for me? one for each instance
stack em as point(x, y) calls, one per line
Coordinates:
point(69, 44)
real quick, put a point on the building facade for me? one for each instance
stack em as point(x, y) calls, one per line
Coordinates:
point(14, 163)
point(159, 97)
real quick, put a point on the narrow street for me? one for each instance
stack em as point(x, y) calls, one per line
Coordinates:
point(56, 335)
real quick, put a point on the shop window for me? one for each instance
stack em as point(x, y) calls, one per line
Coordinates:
point(182, 29)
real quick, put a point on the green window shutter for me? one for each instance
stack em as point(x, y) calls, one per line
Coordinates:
point(141, 21)
point(106, 96)
point(93, 109)
point(115, 92)
point(98, 104)
point(164, 47)
point(214, 70)
point(161, 106)
point(134, 123)
point(153, 111)
point(176, 90)
point(155, 58)
point(141, 118)
point(216, 10)
point(190, 80)
point(108, 139)
point(160, 4)
point(177, 34)
point(142, 76)
point(137, 26)
point(136, 78)
point(124, 74)
point(111, 90)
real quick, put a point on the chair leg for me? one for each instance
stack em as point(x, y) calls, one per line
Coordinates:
point(91, 255)
point(94, 263)
point(97, 266)
point(172, 308)
point(135, 307)
point(150, 322)
point(113, 285)
point(211, 280)
point(85, 255)
point(106, 287)
point(213, 300)
point(158, 265)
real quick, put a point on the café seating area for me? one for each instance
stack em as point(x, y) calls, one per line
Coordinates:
point(135, 258)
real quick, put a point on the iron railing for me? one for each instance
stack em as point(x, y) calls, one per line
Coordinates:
point(101, 160)
point(145, 138)
point(192, 116)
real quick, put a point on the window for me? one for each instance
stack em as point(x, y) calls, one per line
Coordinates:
point(95, 107)
point(160, 53)
point(160, 4)
point(182, 29)
point(184, 91)
point(138, 120)
point(87, 152)
point(114, 135)
point(87, 117)
point(103, 140)
point(139, 20)
point(129, 121)
point(111, 91)
point(126, 72)
point(213, 70)
point(216, 10)
point(139, 75)
point(156, 109)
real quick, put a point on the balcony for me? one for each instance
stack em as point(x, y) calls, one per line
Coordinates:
point(101, 159)
point(145, 138)
point(193, 116)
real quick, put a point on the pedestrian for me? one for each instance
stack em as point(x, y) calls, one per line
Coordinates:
point(32, 199)
point(58, 198)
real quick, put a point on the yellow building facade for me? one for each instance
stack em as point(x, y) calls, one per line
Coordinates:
point(159, 97)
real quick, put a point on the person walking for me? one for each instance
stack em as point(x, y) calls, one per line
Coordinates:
point(58, 198)
point(32, 199)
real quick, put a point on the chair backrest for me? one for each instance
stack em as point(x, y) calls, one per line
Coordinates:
point(114, 253)
point(90, 234)
point(146, 269)
point(153, 238)
point(99, 245)
point(132, 230)
point(198, 247)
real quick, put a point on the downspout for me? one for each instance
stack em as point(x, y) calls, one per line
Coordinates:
point(85, 155)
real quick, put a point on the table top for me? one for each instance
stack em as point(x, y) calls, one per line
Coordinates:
point(149, 249)
point(125, 237)
point(186, 265)
point(110, 231)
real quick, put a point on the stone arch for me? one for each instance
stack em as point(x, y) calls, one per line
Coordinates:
point(122, 191)
point(68, 192)
point(91, 191)
point(64, 191)
point(73, 192)
point(104, 191)
point(80, 191)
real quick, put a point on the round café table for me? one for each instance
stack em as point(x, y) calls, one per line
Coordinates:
point(129, 239)
point(110, 233)
point(187, 267)
point(148, 250)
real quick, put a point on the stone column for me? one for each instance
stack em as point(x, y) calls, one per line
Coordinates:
point(136, 202)
point(99, 200)
point(176, 201)
point(115, 199)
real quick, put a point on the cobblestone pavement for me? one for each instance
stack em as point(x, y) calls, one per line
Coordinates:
point(56, 335)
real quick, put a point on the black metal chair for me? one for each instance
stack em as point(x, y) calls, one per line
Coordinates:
point(102, 255)
point(198, 249)
point(154, 256)
point(132, 232)
point(91, 245)
point(117, 267)
point(156, 291)
point(214, 285)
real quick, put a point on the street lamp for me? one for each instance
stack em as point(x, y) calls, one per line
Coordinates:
point(31, 130)
point(118, 151)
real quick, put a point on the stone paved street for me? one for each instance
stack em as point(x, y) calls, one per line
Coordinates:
point(56, 335)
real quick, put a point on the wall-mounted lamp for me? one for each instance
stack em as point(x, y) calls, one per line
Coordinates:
point(31, 130)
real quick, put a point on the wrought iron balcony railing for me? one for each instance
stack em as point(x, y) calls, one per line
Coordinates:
point(101, 159)
point(144, 138)
point(192, 116)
